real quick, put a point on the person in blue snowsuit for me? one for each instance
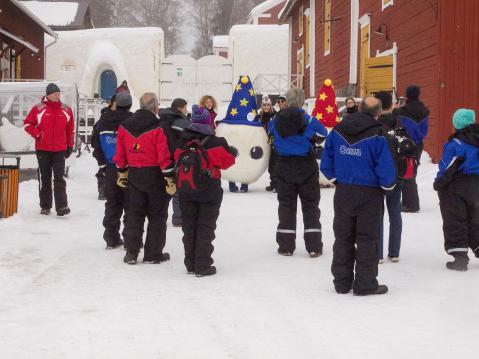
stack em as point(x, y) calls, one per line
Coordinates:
point(358, 159)
point(457, 183)
point(103, 141)
point(297, 172)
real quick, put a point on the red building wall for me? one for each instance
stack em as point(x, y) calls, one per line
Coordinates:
point(413, 26)
point(16, 22)
point(273, 18)
point(334, 66)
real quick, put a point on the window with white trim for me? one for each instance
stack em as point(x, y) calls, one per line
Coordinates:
point(327, 27)
point(386, 3)
point(301, 21)
point(300, 66)
point(307, 40)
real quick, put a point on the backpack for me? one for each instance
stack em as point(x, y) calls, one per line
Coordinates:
point(192, 167)
point(406, 153)
point(108, 140)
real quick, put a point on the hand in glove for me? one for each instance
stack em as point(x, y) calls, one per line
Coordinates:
point(68, 152)
point(170, 186)
point(122, 180)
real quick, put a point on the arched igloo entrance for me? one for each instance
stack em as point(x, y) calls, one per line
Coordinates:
point(108, 84)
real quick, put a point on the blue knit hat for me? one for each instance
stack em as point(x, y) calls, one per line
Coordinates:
point(200, 115)
point(463, 118)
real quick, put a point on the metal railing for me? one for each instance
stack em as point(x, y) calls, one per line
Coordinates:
point(276, 83)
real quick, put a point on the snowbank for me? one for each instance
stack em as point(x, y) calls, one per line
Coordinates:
point(252, 48)
point(56, 13)
point(134, 54)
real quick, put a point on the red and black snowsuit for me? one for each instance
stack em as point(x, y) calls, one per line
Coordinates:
point(199, 211)
point(52, 126)
point(142, 149)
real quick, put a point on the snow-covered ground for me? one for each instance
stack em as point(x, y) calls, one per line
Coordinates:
point(63, 296)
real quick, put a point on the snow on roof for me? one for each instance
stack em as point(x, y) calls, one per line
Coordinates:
point(262, 8)
point(53, 13)
point(221, 41)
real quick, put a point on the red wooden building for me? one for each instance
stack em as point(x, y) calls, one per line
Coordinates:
point(266, 13)
point(21, 42)
point(369, 45)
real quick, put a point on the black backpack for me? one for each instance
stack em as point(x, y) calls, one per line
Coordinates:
point(192, 167)
point(405, 151)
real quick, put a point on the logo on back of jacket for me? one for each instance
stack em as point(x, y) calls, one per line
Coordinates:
point(136, 148)
point(349, 151)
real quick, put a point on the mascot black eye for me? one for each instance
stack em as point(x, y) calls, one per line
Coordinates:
point(256, 153)
point(233, 151)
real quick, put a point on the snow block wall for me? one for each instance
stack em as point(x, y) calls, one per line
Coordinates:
point(133, 54)
point(259, 49)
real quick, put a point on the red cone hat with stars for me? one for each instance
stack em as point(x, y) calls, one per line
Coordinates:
point(325, 108)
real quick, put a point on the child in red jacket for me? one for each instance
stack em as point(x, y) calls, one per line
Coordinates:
point(200, 204)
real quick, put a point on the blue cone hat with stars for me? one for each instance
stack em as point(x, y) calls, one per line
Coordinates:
point(242, 109)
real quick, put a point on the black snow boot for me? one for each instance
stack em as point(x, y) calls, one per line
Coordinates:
point(45, 211)
point(460, 262)
point(476, 252)
point(381, 289)
point(114, 245)
point(211, 270)
point(63, 211)
point(164, 257)
point(131, 257)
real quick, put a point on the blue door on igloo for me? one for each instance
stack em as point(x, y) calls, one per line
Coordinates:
point(108, 84)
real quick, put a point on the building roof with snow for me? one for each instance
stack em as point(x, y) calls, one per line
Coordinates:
point(34, 17)
point(62, 15)
point(221, 41)
point(265, 13)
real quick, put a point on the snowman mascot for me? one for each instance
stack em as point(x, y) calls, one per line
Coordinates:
point(246, 137)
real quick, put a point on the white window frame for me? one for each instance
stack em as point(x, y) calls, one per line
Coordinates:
point(392, 51)
point(307, 12)
point(388, 4)
point(328, 51)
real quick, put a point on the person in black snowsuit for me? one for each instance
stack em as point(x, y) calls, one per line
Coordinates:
point(457, 183)
point(358, 159)
point(414, 116)
point(266, 114)
point(297, 175)
point(175, 120)
point(200, 210)
point(104, 146)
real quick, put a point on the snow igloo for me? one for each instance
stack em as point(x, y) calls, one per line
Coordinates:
point(98, 60)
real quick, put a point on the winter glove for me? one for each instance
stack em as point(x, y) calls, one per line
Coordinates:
point(101, 172)
point(122, 180)
point(68, 152)
point(170, 186)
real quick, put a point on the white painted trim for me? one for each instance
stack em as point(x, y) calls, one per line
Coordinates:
point(300, 33)
point(364, 20)
point(390, 3)
point(392, 51)
point(354, 42)
point(312, 48)
point(290, 47)
point(328, 51)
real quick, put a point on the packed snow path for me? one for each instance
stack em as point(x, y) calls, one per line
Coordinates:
point(63, 296)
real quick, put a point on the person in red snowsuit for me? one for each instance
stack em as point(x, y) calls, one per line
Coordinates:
point(51, 124)
point(145, 166)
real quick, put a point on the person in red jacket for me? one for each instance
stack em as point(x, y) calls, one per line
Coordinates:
point(145, 166)
point(52, 125)
point(200, 210)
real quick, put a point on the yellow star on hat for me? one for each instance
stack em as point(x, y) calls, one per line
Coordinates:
point(244, 102)
point(234, 112)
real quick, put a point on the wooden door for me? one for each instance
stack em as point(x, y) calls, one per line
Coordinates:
point(378, 74)
point(363, 56)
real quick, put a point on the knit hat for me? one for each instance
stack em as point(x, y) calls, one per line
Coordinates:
point(265, 100)
point(52, 88)
point(386, 99)
point(200, 115)
point(463, 118)
point(123, 99)
point(413, 92)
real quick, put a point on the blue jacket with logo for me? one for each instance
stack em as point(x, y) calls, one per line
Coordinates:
point(463, 145)
point(104, 135)
point(357, 153)
point(294, 132)
point(414, 117)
